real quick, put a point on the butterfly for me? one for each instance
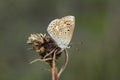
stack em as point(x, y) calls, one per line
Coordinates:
point(61, 31)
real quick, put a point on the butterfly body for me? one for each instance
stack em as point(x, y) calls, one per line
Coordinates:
point(61, 30)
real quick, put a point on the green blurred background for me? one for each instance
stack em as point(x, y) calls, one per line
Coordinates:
point(95, 51)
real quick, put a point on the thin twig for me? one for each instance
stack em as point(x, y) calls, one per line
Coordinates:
point(49, 54)
point(66, 62)
point(54, 68)
point(42, 60)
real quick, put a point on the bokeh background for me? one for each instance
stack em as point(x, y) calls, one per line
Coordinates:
point(95, 51)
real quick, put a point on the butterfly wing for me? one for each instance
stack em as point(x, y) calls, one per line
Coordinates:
point(52, 29)
point(61, 30)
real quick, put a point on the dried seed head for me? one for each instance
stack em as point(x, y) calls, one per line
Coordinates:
point(45, 46)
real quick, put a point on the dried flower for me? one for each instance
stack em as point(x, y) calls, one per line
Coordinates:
point(45, 46)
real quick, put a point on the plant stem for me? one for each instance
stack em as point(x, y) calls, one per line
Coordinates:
point(66, 62)
point(54, 73)
point(54, 68)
